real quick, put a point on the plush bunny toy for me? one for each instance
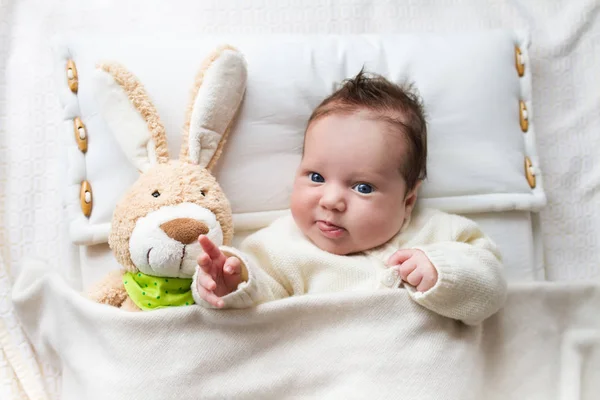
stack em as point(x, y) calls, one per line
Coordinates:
point(155, 226)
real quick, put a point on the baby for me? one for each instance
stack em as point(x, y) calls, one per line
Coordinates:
point(353, 223)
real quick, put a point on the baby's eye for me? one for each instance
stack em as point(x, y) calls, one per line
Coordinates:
point(363, 188)
point(316, 177)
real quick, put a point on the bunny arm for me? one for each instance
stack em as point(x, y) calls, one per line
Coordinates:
point(111, 291)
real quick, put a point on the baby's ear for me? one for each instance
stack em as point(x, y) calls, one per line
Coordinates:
point(410, 200)
point(127, 110)
point(216, 98)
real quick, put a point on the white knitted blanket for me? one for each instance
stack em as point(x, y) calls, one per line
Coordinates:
point(351, 345)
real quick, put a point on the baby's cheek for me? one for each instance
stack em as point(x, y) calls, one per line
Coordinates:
point(295, 202)
point(385, 222)
point(374, 224)
point(301, 209)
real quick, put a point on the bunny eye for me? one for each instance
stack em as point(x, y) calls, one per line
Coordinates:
point(156, 193)
point(203, 193)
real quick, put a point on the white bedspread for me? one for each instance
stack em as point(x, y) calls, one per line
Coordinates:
point(353, 345)
point(565, 60)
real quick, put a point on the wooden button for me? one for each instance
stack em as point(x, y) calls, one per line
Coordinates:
point(80, 134)
point(523, 116)
point(72, 78)
point(85, 198)
point(519, 62)
point(529, 174)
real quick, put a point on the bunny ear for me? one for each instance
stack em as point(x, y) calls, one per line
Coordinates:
point(129, 113)
point(216, 98)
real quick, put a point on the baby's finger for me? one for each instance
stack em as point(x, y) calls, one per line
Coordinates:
point(207, 282)
point(209, 247)
point(415, 277)
point(426, 283)
point(400, 257)
point(210, 297)
point(204, 262)
point(407, 268)
point(429, 280)
point(232, 266)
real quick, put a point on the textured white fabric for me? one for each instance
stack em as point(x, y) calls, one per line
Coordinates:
point(21, 375)
point(563, 58)
point(281, 262)
point(364, 344)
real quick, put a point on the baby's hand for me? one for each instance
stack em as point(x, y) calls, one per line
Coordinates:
point(218, 275)
point(415, 268)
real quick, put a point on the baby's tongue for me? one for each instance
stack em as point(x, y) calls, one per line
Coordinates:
point(329, 227)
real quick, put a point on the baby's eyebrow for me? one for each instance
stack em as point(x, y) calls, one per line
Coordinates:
point(369, 177)
point(383, 175)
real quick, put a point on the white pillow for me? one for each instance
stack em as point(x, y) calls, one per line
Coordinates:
point(469, 84)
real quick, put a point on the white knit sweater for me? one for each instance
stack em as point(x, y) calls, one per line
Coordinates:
point(282, 262)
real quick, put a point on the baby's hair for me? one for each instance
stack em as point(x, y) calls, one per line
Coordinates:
point(400, 105)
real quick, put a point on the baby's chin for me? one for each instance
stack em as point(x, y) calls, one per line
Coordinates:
point(341, 246)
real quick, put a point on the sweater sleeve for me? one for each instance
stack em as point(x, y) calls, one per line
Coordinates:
point(471, 284)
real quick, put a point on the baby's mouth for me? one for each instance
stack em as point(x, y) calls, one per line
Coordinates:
point(330, 230)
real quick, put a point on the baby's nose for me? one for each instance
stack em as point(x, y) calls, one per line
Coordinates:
point(184, 230)
point(333, 199)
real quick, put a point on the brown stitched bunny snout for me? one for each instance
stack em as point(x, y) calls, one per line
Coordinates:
point(184, 230)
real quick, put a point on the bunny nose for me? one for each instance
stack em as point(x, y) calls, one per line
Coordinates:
point(184, 230)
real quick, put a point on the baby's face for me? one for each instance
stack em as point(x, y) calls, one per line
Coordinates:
point(349, 194)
